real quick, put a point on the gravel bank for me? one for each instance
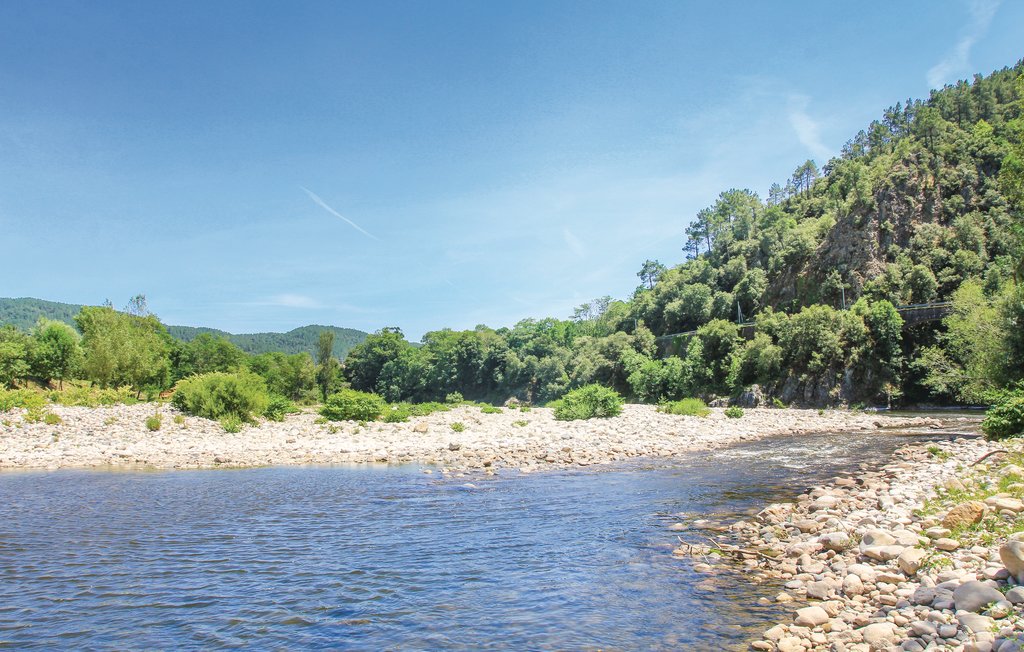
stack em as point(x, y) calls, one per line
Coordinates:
point(926, 553)
point(117, 436)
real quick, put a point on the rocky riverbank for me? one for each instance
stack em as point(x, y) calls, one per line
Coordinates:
point(463, 438)
point(925, 553)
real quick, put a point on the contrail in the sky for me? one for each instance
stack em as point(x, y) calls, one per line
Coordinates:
point(323, 205)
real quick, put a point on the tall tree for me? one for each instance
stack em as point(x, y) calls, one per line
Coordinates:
point(57, 352)
point(327, 366)
point(650, 272)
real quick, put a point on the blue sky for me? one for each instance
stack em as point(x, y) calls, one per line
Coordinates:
point(260, 166)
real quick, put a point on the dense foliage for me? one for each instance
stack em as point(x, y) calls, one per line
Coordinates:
point(353, 405)
point(924, 205)
point(216, 395)
point(1006, 418)
point(798, 294)
point(691, 407)
point(589, 402)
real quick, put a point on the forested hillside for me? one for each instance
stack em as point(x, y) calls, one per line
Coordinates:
point(23, 313)
point(924, 204)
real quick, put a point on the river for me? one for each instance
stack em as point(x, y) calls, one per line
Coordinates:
point(375, 558)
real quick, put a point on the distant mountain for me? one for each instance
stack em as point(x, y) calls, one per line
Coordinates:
point(24, 312)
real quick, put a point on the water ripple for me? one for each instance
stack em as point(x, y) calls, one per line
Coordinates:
point(387, 558)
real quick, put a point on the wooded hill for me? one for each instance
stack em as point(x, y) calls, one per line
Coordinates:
point(924, 204)
point(23, 313)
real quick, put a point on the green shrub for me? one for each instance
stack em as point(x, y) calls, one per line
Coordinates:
point(734, 412)
point(524, 408)
point(425, 409)
point(454, 398)
point(154, 422)
point(458, 427)
point(778, 403)
point(278, 407)
point(1006, 417)
point(217, 395)
point(179, 419)
point(521, 423)
point(231, 423)
point(490, 409)
point(589, 402)
point(397, 413)
point(21, 398)
point(691, 407)
point(353, 405)
point(51, 419)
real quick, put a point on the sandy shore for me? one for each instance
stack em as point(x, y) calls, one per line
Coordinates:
point(117, 436)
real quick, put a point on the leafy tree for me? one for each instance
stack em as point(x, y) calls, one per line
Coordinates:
point(123, 349)
point(15, 347)
point(205, 354)
point(650, 272)
point(57, 352)
point(326, 365)
point(291, 376)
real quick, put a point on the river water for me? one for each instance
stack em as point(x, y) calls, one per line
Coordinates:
point(390, 558)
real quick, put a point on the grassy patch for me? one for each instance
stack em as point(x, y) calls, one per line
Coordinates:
point(690, 407)
point(458, 426)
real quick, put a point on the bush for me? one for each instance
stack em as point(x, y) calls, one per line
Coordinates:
point(153, 423)
point(179, 419)
point(353, 405)
point(231, 423)
point(490, 409)
point(458, 427)
point(734, 412)
point(397, 413)
point(1006, 417)
point(278, 407)
point(589, 402)
point(691, 407)
point(425, 409)
point(454, 398)
point(93, 396)
point(21, 398)
point(52, 419)
point(218, 395)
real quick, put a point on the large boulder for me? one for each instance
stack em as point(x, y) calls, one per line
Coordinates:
point(751, 397)
point(811, 616)
point(974, 596)
point(964, 514)
point(879, 635)
point(1012, 555)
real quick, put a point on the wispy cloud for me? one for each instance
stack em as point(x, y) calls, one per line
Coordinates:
point(808, 131)
point(575, 244)
point(957, 61)
point(322, 204)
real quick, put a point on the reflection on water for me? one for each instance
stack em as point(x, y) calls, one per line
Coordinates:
point(389, 558)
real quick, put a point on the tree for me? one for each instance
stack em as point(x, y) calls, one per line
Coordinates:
point(57, 352)
point(365, 361)
point(651, 272)
point(14, 355)
point(327, 366)
point(208, 353)
point(123, 349)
